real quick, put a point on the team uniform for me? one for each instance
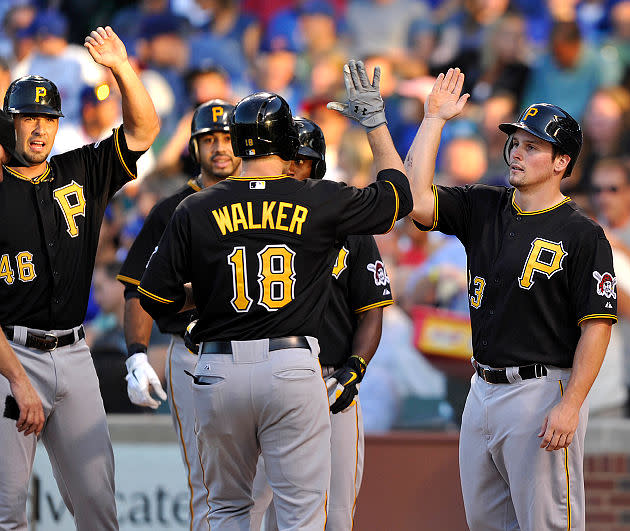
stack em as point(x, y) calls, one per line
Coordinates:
point(259, 253)
point(534, 277)
point(179, 358)
point(360, 283)
point(48, 245)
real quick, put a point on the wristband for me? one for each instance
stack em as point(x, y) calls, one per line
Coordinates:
point(136, 348)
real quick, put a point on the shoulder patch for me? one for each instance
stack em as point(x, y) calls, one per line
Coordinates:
point(606, 284)
point(380, 275)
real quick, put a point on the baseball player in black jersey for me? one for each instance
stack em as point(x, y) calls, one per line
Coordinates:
point(349, 337)
point(210, 146)
point(542, 303)
point(259, 250)
point(53, 212)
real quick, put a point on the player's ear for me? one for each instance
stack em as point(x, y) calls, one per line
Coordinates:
point(561, 162)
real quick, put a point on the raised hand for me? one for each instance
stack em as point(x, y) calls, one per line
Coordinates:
point(105, 47)
point(444, 101)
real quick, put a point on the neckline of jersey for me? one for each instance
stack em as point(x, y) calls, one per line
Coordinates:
point(534, 212)
point(265, 178)
point(195, 185)
point(35, 180)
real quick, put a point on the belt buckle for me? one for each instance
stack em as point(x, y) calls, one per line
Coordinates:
point(52, 336)
point(538, 370)
point(483, 374)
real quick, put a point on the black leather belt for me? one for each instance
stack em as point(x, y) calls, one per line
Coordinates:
point(275, 343)
point(45, 341)
point(499, 376)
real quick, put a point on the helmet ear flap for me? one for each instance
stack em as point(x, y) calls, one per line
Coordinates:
point(319, 169)
point(509, 144)
point(193, 149)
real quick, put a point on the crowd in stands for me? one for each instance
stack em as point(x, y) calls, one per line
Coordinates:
point(574, 53)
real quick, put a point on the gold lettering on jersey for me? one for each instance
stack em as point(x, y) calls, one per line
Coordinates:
point(70, 210)
point(544, 257)
point(475, 298)
point(40, 92)
point(341, 262)
point(286, 217)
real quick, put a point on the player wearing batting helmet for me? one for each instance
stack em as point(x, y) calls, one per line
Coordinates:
point(540, 316)
point(48, 251)
point(211, 147)
point(349, 337)
point(258, 249)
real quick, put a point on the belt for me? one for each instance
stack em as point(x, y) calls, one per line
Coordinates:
point(275, 343)
point(46, 341)
point(499, 376)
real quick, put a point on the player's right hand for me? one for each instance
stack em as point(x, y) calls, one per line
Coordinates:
point(141, 379)
point(31, 418)
point(365, 104)
point(444, 100)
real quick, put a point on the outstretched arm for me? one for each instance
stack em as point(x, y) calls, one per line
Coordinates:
point(443, 103)
point(140, 121)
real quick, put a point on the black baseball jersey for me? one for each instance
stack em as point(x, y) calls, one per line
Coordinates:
point(50, 232)
point(144, 245)
point(533, 276)
point(260, 250)
point(360, 283)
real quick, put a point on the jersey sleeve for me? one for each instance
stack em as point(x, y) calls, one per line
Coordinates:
point(592, 279)
point(452, 211)
point(110, 163)
point(161, 288)
point(369, 285)
point(143, 246)
point(375, 208)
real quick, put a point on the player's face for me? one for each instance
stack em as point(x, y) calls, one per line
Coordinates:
point(216, 156)
point(530, 160)
point(301, 169)
point(35, 135)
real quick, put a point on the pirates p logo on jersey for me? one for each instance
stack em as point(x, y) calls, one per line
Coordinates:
point(605, 284)
point(380, 275)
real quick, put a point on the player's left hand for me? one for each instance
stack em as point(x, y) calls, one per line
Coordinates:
point(347, 378)
point(559, 427)
point(105, 47)
point(141, 378)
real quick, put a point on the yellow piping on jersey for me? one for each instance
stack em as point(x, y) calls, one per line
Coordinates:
point(35, 180)
point(193, 184)
point(374, 305)
point(396, 210)
point(181, 434)
point(566, 468)
point(598, 316)
point(154, 297)
point(534, 212)
point(265, 178)
point(435, 210)
point(122, 160)
point(123, 278)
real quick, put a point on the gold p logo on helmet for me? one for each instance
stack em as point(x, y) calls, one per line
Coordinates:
point(40, 92)
point(217, 112)
point(532, 111)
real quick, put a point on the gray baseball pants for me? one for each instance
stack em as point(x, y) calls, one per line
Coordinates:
point(180, 399)
point(254, 401)
point(508, 481)
point(347, 447)
point(75, 435)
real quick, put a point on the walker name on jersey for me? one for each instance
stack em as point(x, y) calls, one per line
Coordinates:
point(274, 215)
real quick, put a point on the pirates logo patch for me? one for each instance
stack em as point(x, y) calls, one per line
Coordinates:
point(380, 275)
point(605, 284)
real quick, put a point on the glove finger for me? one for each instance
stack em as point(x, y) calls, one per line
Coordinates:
point(363, 76)
point(376, 82)
point(347, 79)
point(355, 75)
point(140, 398)
point(330, 383)
point(158, 390)
point(336, 106)
point(344, 401)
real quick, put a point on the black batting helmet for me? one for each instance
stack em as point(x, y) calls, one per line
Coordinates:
point(262, 125)
point(312, 145)
point(550, 123)
point(214, 115)
point(33, 95)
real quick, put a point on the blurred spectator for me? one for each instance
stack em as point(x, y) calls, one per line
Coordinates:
point(5, 77)
point(570, 73)
point(16, 41)
point(325, 80)
point(464, 161)
point(606, 134)
point(619, 39)
point(67, 65)
point(382, 26)
point(355, 158)
point(126, 20)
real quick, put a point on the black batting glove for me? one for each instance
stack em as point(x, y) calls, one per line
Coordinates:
point(188, 341)
point(347, 377)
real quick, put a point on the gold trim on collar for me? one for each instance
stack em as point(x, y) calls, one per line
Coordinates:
point(265, 178)
point(534, 212)
point(194, 185)
point(35, 180)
